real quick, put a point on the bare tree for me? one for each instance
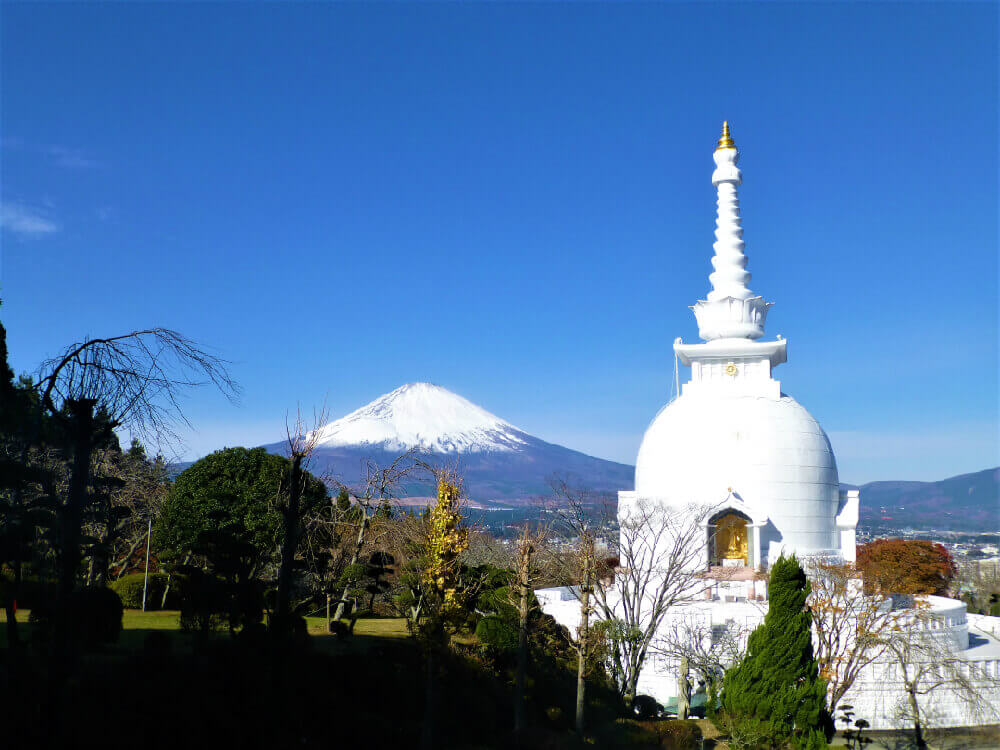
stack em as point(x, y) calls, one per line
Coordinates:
point(530, 549)
point(850, 626)
point(301, 445)
point(709, 649)
point(378, 490)
point(135, 490)
point(661, 555)
point(579, 569)
point(97, 385)
point(927, 663)
point(586, 558)
point(661, 558)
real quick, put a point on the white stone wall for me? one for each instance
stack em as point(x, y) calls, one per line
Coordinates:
point(878, 694)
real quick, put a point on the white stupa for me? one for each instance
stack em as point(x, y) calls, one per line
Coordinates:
point(732, 440)
point(734, 443)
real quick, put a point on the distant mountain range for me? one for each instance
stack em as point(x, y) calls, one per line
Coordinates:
point(504, 466)
point(968, 502)
point(500, 464)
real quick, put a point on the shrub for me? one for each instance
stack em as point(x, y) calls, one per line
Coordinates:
point(129, 590)
point(42, 620)
point(495, 633)
point(645, 707)
point(675, 734)
point(339, 629)
point(290, 627)
point(204, 604)
point(32, 592)
point(624, 733)
point(156, 646)
point(97, 615)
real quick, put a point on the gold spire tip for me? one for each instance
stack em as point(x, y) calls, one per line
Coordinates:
point(725, 141)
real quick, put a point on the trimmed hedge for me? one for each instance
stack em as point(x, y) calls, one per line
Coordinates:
point(129, 589)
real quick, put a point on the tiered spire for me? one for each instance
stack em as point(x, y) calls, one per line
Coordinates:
point(731, 310)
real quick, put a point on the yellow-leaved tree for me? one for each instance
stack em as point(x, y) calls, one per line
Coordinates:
point(447, 539)
point(444, 594)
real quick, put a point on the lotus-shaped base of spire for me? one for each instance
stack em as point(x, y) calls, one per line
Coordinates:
point(731, 318)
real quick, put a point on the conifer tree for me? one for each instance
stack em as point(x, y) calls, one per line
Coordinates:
point(775, 696)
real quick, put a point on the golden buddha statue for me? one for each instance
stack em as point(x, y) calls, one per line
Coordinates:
point(731, 538)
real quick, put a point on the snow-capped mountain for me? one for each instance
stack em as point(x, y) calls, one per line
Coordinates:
point(499, 462)
point(424, 416)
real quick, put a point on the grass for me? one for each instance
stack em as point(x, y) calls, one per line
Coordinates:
point(136, 623)
point(374, 627)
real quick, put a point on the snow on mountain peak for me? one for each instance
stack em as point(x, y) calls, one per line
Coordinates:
point(425, 416)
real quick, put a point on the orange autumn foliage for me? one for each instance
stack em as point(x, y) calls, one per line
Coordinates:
point(906, 566)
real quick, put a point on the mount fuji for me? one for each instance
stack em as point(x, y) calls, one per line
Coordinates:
point(500, 464)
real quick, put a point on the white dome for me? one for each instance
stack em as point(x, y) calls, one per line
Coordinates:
point(771, 453)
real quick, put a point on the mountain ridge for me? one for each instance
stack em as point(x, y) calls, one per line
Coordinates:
point(500, 464)
point(503, 466)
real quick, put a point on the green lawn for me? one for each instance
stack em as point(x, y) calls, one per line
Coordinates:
point(375, 627)
point(136, 623)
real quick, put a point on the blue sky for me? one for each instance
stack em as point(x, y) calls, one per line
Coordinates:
point(514, 201)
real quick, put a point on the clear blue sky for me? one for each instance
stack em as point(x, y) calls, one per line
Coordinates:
point(514, 201)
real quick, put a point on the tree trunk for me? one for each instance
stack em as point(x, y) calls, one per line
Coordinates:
point(522, 645)
point(683, 690)
point(354, 561)
point(82, 431)
point(427, 731)
point(166, 589)
point(583, 637)
point(10, 606)
point(291, 541)
point(918, 730)
point(631, 687)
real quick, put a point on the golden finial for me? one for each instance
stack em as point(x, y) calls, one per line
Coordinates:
point(725, 141)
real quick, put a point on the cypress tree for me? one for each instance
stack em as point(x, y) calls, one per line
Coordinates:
point(775, 694)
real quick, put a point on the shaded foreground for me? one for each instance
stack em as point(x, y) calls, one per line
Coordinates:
point(160, 687)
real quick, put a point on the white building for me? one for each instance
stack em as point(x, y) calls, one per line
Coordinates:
point(732, 441)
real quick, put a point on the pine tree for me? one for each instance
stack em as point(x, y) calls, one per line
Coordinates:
point(775, 696)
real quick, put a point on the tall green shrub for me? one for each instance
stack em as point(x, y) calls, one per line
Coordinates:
point(775, 696)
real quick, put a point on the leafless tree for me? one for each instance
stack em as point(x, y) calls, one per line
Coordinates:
point(926, 663)
point(529, 566)
point(135, 488)
point(660, 551)
point(850, 626)
point(579, 569)
point(661, 557)
point(378, 489)
point(406, 539)
point(302, 443)
point(135, 381)
point(586, 559)
point(709, 649)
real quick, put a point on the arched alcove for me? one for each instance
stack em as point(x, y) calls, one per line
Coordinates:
point(729, 538)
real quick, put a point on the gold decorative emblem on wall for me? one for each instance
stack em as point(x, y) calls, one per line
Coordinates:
point(731, 369)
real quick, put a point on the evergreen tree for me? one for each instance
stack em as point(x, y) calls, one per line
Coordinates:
point(775, 696)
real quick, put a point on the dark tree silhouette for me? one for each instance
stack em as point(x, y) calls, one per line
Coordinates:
point(95, 386)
